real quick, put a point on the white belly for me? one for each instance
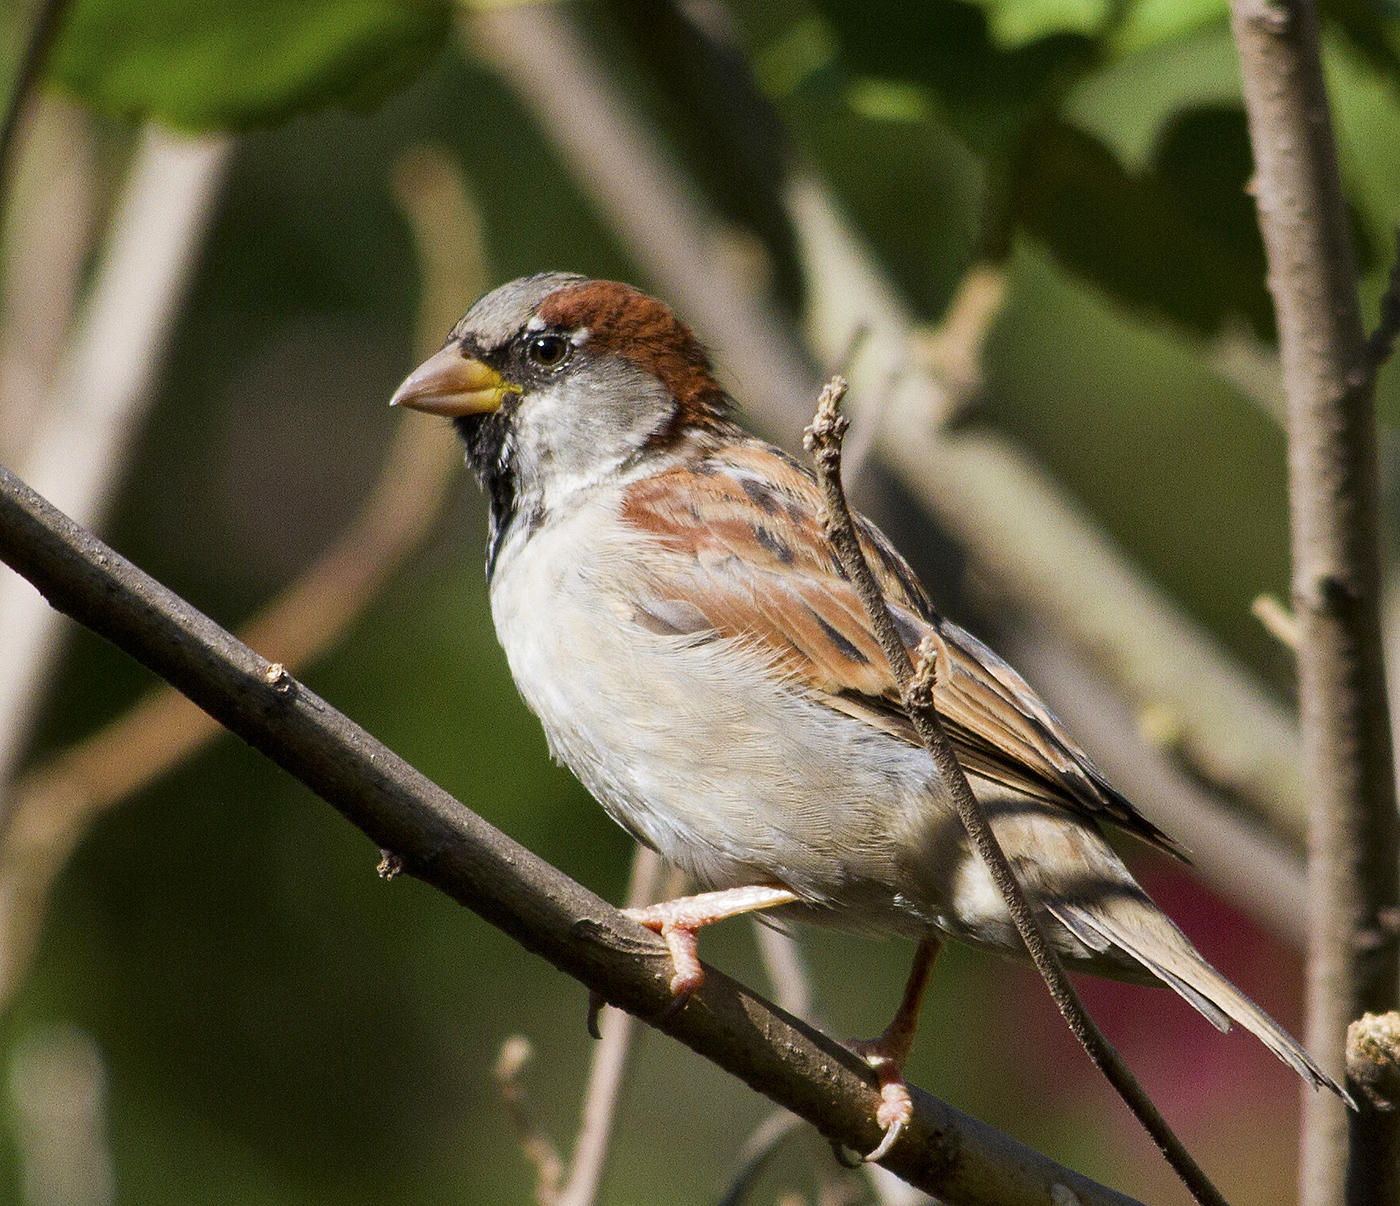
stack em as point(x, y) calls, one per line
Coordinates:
point(737, 778)
point(729, 774)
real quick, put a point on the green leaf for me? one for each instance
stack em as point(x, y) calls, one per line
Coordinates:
point(204, 64)
point(1179, 239)
point(1016, 22)
point(1149, 23)
point(984, 92)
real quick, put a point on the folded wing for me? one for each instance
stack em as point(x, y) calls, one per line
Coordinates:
point(742, 556)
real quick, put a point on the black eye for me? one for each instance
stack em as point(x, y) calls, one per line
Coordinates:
point(548, 351)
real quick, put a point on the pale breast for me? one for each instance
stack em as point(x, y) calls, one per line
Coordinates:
point(691, 742)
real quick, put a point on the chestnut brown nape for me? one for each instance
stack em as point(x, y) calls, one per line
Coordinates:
point(624, 321)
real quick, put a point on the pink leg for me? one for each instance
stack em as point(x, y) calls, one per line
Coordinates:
point(888, 1054)
point(677, 920)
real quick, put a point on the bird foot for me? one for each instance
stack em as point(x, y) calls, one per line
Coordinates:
point(896, 1106)
point(678, 920)
point(678, 932)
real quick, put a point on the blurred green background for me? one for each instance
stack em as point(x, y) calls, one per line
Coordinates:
point(258, 1018)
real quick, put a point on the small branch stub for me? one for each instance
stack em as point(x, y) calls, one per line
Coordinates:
point(277, 677)
point(919, 695)
point(1278, 621)
point(1373, 1059)
point(828, 428)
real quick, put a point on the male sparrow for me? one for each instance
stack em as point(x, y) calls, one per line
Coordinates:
point(672, 613)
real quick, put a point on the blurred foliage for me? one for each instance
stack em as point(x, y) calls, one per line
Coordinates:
point(278, 1026)
point(203, 64)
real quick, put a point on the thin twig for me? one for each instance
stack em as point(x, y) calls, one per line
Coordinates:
point(1329, 373)
point(446, 845)
point(549, 1168)
point(916, 689)
point(26, 80)
point(612, 1057)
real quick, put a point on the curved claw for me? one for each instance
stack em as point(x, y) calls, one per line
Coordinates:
point(679, 999)
point(896, 1106)
point(595, 1008)
point(892, 1133)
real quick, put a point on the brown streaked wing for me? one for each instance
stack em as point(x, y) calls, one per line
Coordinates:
point(744, 549)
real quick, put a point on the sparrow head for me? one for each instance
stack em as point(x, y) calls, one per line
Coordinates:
point(557, 382)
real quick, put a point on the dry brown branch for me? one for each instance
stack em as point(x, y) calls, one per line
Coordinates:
point(56, 803)
point(1329, 377)
point(916, 679)
point(446, 845)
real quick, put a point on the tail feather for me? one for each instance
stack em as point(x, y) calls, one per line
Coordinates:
point(1137, 928)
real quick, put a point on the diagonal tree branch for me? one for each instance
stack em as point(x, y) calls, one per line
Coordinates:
point(443, 843)
point(52, 805)
point(1329, 377)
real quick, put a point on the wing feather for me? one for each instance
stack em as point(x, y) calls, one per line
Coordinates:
point(739, 543)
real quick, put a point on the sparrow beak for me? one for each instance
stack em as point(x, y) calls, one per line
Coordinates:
point(453, 384)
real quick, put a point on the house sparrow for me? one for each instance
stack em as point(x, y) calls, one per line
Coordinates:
point(673, 614)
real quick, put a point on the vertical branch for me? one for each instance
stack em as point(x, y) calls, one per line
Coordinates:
point(618, 1036)
point(1329, 377)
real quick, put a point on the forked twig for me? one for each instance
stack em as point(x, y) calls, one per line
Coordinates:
point(549, 1168)
point(823, 440)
